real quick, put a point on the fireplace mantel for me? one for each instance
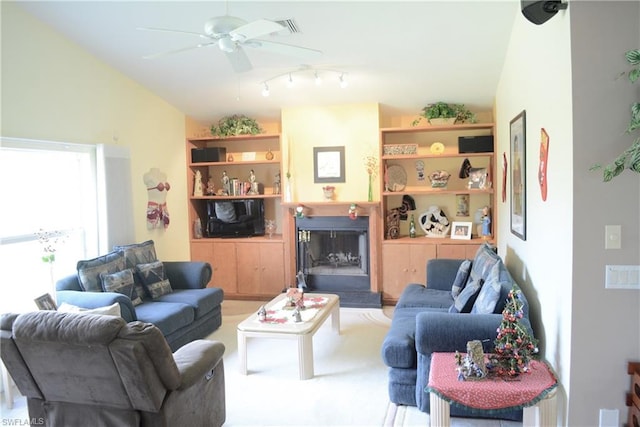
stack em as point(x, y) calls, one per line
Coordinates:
point(334, 208)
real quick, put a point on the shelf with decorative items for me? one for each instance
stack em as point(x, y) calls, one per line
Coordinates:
point(234, 204)
point(443, 177)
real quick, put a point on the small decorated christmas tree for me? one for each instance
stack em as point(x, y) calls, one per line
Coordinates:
point(514, 346)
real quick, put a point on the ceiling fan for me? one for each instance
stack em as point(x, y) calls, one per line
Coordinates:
point(231, 34)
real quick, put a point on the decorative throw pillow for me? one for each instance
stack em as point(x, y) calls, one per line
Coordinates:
point(491, 289)
point(137, 253)
point(122, 283)
point(466, 299)
point(110, 310)
point(154, 279)
point(461, 278)
point(89, 270)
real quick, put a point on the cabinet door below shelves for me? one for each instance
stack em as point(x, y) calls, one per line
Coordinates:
point(457, 251)
point(260, 268)
point(224, 263)
point(404, 264)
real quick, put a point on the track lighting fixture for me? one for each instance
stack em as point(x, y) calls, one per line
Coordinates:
point(317, 77)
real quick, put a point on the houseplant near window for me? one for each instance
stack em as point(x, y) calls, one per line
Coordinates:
point(629, 158)
point(441, 113)
point(236, 125)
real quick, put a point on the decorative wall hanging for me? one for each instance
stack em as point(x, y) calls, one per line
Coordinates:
point(396, 178)
point(504, 177)
point(517, 132)
point(542, 169)
point(462, 205)
point(157, 187)
point(328, 164)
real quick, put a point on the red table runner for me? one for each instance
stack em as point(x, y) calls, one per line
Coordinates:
point(494, 394)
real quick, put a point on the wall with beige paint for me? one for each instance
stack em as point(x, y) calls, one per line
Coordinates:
point(54, 90)
point(354, 126)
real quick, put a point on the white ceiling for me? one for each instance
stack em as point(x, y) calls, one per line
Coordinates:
point(402, 55)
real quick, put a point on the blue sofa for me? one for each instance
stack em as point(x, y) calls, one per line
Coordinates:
point(186, 312)
point(429, 319)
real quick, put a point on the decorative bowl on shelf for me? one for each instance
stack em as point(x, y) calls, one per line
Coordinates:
point(439, 178)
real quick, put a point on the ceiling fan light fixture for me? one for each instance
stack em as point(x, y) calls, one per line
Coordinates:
point(317, 79)
point(226, 44)
point(290, 81)
point(265, 90)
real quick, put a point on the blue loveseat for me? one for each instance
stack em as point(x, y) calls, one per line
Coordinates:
point(186, 310)
point(429, 319)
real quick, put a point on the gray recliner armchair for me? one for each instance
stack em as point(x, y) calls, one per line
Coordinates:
point(78, 368)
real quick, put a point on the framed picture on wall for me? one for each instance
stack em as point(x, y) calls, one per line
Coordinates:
point(518, 134)
point(328, 164)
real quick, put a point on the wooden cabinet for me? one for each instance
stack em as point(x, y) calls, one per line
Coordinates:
point(260, 268)
point(250, 267)
point(404, 263)
point(408, 157)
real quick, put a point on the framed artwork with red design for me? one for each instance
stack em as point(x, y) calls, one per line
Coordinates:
point(542, 168)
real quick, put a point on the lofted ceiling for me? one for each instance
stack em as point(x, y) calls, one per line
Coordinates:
point(402, 55)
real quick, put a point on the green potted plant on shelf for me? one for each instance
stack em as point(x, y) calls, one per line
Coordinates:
point(442, 113)
point(629, 158)
point(234, 125)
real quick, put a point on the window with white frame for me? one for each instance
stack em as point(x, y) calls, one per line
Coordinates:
point(47, 191)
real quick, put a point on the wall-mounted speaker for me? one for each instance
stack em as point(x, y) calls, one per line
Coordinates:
point(540, 12)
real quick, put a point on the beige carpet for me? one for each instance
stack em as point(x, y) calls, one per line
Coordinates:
point(349, 387)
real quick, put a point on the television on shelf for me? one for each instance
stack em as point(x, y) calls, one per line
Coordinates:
point(235, 218)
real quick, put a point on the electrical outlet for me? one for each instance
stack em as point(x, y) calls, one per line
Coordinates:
point(622, 277)
point(612, 236)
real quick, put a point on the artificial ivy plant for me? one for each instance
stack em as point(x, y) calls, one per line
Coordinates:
point(443, 110)
point(629, 158)
point(236, 124)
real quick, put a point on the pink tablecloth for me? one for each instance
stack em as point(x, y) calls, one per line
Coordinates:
point(489, 394)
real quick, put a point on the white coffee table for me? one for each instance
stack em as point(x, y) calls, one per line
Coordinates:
point(302, 332)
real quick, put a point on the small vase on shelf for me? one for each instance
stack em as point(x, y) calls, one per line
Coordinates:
point(370, 194)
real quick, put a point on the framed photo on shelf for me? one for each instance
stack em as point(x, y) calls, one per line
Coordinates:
point(518, 135)
point(328, 164)
point(461, 230)
point(46, 302)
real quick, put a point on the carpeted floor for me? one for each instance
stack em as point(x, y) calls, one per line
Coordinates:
point(349, 387)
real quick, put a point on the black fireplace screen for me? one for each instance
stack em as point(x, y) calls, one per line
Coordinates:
point(333, 250)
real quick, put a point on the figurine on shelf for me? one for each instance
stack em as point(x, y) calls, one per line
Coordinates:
point(353, 211)
point(197, 184)
point(297, 317)
point(253, 185)
point(226, 190)
point(486, 223)
point(211, 189)
point(276, 184)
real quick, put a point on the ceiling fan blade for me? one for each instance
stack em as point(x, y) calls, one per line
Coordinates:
point(167, 30)
point(285, 49)
point(254, 29)
point(239, 60)
point(170, 52)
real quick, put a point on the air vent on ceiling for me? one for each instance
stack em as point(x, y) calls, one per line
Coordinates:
point(290, 25)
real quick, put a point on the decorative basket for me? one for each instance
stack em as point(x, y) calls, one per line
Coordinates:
point(439, 179)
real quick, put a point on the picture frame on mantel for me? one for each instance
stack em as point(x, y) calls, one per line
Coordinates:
point(518, 135)
point(328, 164)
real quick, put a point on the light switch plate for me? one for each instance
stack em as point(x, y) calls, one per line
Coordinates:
point(612, 236)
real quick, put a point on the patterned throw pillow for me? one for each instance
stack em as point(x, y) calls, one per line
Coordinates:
point(466, 299)
point(461, 278)
point(89, 270)
point(137, 253)
point(121, 282)
point(154, 279)
point(490, 292)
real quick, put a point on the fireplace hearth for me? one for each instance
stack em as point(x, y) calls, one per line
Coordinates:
point(333, 254)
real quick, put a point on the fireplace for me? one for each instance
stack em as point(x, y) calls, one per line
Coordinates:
point(333, 253)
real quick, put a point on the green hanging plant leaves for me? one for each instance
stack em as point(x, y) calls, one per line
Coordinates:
point(236, 124)
point(630, 158)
